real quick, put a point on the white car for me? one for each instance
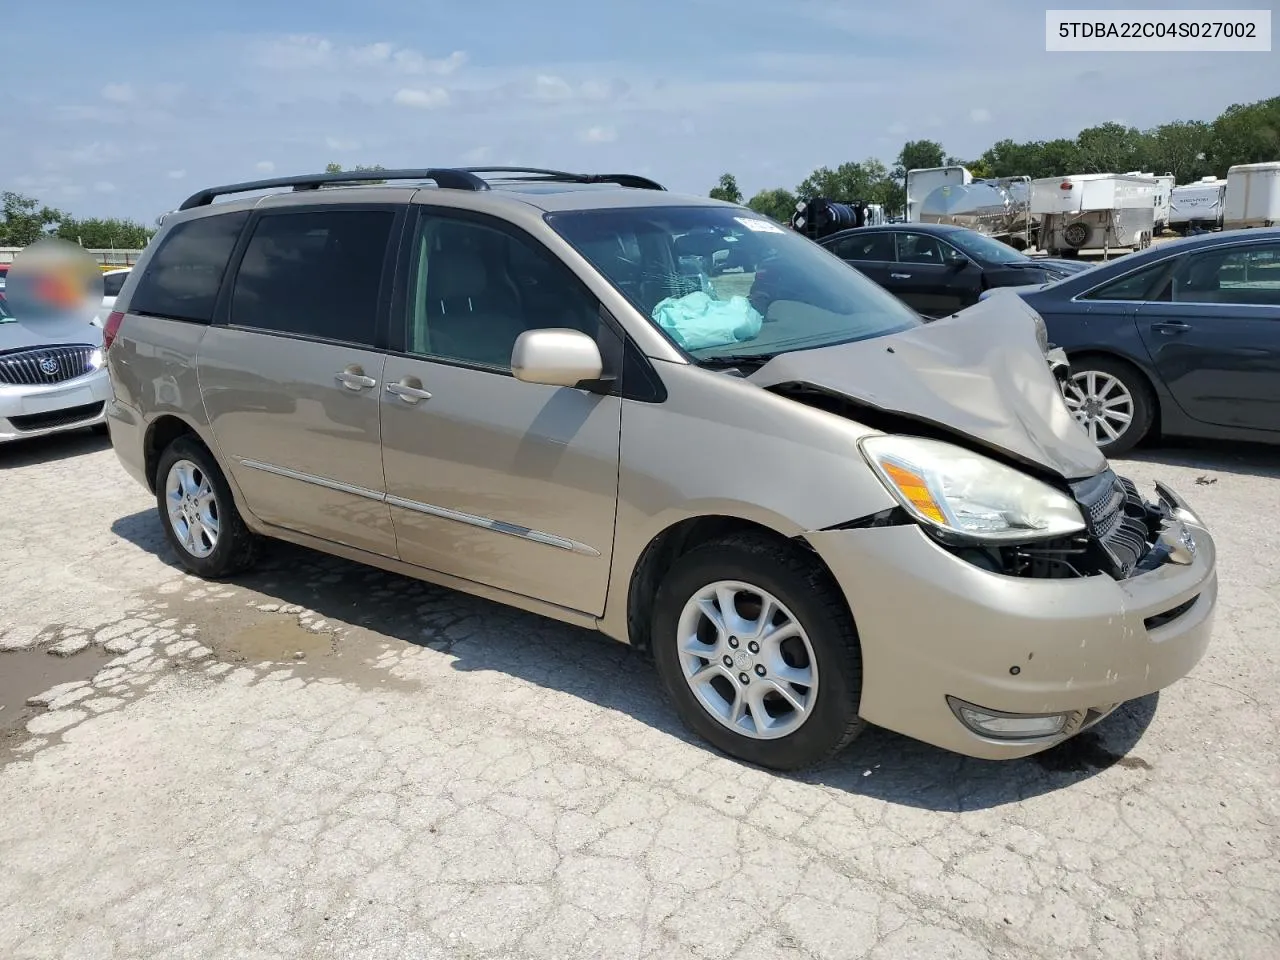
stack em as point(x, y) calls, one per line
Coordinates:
point(51, 376)
point(112, 281)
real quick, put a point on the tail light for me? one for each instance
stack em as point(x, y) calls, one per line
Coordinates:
point(111, 328)
point(1065, 185)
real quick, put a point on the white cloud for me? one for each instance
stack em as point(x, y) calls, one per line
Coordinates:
point(411, 61)
point(71, 190)
point(119, 93)
point(898, 128)
point(600, 135)
point(373, 53)
point(428, 99)
point(334, 143)
point(477, 155)
point(553, 88)
point(103, 186)
point(980, 115)
point(295, 52)
point(177, 174)
point(265, 166)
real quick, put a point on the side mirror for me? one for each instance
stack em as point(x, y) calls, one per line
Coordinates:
point(556, 357)
point(958, 264)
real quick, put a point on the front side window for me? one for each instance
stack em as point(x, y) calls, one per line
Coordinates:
point(919, 248)
point(112, 283)
point(475, 287)
point(1240, 276)
point(183, 278)
point(986, 249)
point(782, 293)
point(314, 274)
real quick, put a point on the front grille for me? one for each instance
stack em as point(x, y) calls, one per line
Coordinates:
point(37, 366)
point(1117, 518)
point(57, 418)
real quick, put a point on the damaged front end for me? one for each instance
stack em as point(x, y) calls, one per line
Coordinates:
point(1126, 535)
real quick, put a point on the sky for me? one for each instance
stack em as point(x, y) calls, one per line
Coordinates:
point(126, 109)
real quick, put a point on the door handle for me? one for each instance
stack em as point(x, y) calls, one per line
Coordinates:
point(409, 390)
point(900, 276)
point(1170, 327)
point(353, 378)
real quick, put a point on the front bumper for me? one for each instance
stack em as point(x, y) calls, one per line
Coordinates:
point(933, 626)
point(35, 411)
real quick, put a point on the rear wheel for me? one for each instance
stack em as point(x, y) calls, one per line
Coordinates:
point(757, 651)
point(198, 514)
point(1112, 401)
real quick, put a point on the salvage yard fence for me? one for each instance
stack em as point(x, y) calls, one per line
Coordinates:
point(107, 259)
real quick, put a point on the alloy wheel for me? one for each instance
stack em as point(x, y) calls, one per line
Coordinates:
point(1101, 404)
point(193, 508)
point(747, 660)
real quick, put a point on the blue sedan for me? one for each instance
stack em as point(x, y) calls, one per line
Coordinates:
point(1182, 339)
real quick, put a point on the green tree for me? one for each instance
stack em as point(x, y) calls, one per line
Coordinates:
point(778, 203)
point(25, 220)
point(917, 155)
point(1181, 148)
point(1111, 148)
point(1245, 133)
point(359, 168)
point(99, 234)
point(727, 189)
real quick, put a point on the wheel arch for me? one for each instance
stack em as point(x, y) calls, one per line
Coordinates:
point(161, 433)
point(677, 539)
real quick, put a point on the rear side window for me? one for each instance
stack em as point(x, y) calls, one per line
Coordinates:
point(1135, 286)
point(867, 246)
point(181, 282)
point(314, 274)
point(112, 283)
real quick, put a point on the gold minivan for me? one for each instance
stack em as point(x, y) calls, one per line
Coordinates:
point(667, 418)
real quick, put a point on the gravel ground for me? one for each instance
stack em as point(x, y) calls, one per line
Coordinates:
point(325, 761)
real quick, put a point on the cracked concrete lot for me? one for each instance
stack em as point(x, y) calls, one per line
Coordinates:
point(321, 761)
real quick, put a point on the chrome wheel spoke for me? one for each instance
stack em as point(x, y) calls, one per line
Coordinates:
point(192, 508)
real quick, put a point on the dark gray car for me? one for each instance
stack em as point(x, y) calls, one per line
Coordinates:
point(1182, 339)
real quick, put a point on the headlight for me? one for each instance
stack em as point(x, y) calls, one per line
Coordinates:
point(968, 495)
point(1042, 332)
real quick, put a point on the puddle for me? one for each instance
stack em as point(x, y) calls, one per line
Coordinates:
point(24, 673)
point(278, 639)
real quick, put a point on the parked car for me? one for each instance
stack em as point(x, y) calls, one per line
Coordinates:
point(112, 281)
point(1182, 339)
point(826, 515)
point(938, 269)
point(52, 376)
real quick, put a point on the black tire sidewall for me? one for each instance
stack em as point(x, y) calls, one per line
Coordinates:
point(223, 557)
point(1143, 401)
point(833, 641)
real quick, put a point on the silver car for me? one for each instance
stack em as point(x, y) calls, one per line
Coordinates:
point(813, 509)
point(52, 376)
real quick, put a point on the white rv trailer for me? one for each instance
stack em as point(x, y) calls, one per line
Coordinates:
point(1197, 205)
point(1253, 196)
point(1093, 211)
point(1164, 191)
point(924, 180)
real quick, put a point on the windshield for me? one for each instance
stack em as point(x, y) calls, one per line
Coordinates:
point(981, 247)
point(727, 282)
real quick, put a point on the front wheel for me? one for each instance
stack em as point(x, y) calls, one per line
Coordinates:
point(200, 518)
point(1111, 401)
point(757, 650)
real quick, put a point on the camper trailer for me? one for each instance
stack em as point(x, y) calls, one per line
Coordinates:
point(1093, 211)
point(924, 180)
point(996, 208)
point(1197, 206)
point(1164, 192)
point(1253, 196)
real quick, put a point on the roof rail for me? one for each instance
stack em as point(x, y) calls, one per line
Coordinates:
point(444, 177)
point(536, 174)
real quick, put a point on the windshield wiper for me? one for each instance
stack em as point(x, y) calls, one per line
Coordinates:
point(736, 360)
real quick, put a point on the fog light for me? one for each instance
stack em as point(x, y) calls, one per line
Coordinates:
point(1008, 726)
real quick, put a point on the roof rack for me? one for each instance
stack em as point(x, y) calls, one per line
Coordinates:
point(450, 178)
point(538, 175)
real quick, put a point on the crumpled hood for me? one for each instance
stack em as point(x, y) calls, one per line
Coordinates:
point(980, 373)
point(15, 334)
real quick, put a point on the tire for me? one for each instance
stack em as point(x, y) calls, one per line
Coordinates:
point(1141, 407)
point(806, 594)
point(235, 547)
